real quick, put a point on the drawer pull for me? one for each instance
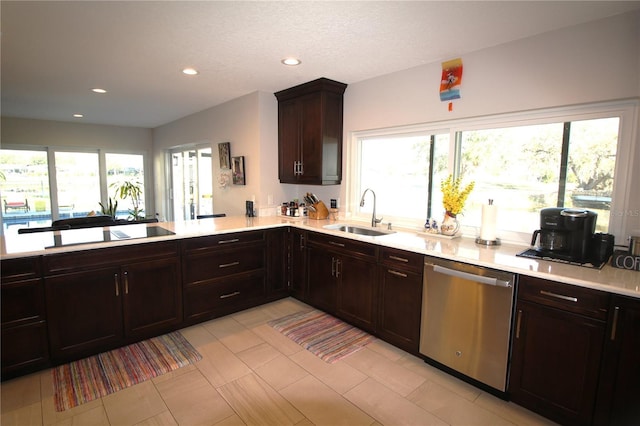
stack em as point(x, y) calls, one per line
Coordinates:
point(126, 282)
point(333, 243)
point(226, 265)
point(115, 281)
point(233, 240)
point(559, 296)
point(616, 312)
point(399, 259)
point(396, 273)
point(519, 320)
point(225, 296)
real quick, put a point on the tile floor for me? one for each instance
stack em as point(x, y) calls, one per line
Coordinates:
point(251, 374)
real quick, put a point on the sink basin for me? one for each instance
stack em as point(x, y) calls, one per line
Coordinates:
point(359, 230)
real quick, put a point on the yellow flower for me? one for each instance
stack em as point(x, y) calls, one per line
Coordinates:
point(453, 198)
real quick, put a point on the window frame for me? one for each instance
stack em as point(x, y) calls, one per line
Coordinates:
point(626, 110)
point(102, 170)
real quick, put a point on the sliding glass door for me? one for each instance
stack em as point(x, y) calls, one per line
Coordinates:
point(191, 183)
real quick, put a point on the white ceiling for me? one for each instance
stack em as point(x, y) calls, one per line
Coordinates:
point(53, 53)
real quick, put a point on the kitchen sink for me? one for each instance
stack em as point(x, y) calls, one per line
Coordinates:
point(359, 230)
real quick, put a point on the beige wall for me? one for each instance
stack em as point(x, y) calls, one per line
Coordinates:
point(594, 62)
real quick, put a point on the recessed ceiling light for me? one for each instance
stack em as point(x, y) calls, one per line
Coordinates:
point(190, 71)
point(98, 90)
point(291, 61)
point(78, 115)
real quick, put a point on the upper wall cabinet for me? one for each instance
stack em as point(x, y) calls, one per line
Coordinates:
point(310, 133)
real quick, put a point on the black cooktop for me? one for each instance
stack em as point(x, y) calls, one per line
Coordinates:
point(74, 237)
point(537, 254)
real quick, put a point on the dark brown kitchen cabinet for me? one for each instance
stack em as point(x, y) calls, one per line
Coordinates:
point(223, 274)
point(557, 349)
point(104, 298)
point(310, 133)
point(400, 300)
point(297, 260)
point(343, 278)
point(619, 390)
point(277, 277)
point(24, 328)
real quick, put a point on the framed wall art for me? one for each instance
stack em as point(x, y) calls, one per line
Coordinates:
point(237, 170)
point(224, 152)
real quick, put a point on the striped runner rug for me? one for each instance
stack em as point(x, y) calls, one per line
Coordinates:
point(97, 376)
point(323, 335)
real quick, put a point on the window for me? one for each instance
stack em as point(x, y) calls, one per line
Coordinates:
point(123, 168)
point(24, 186)
point(41, 185)
point(524, 162)
point(78, 183)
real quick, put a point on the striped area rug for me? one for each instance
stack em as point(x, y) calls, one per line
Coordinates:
point(321, 334)
point(94, 377)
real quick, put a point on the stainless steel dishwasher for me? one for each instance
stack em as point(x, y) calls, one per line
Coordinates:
point(466, 319)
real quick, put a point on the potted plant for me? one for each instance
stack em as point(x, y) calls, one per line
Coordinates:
point(110, 209)
point(132, 190)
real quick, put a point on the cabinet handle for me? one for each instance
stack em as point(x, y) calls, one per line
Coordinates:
point(400, 259)
point(126, 282)
point(115, 282)
point(226, 265)
point(301, 242)
point(224, 296)
point(333, 266)
point(233, 240)
point(301, 168)
point(616, 312)
point(559, 296)
point(333, 243)
point(518, 321)
point(338, 267)
point(397, 273)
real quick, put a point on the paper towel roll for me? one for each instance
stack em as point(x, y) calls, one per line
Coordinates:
point(489, 220)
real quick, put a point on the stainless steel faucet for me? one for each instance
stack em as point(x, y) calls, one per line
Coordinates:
point(374, 221)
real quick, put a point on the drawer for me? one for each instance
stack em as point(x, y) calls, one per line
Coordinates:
point(401, 259)
point(111, 256)
point(351, 247)
point(22, 301)
point(223, 296)
point(222, 241)
point(210, 265)
point(21, 269)
point(579, 300)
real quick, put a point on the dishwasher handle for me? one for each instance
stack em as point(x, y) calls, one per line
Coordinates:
point(473, 277)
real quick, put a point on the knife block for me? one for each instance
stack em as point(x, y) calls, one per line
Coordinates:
point(321, 211)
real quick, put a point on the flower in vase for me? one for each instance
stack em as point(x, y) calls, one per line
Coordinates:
point(453, 195)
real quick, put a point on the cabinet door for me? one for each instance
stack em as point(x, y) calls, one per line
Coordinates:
point(555, 362)
point(277, 281)
point(357, 291)
point(152, 297)
point(84, 311)
point(289, 131)
point(619, 391)
point(297, 264)
point(311, 150)
point(400, 307)
point(24, 349)
point(321, 267)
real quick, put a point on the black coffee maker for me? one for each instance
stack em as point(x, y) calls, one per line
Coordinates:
point(565, 233)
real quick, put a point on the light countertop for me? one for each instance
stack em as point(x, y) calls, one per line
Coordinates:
point(464, 249)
